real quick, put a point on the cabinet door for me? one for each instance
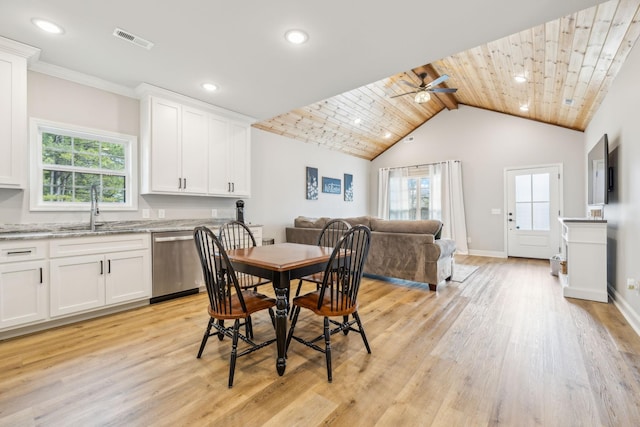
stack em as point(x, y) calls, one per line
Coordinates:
point(23, 293)
point(166, 154)
point(195, 142)
point(219, 181)
point(240, 159)
point(77, 284)
point(128, 276)
point(13, 119)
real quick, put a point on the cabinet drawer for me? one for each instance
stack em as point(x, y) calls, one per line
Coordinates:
point(96, 245)
point(22, 250)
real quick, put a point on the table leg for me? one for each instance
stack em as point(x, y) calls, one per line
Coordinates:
point(281, 289)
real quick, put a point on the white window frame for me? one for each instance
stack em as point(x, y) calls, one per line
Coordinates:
point(38, 126)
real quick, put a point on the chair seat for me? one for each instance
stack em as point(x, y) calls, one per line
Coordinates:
point(253, 301)
point(341, 304)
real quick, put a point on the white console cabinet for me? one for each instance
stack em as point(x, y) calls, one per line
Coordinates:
point(585, 251)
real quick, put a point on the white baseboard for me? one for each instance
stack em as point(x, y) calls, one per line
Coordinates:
point(627, 311)
point(491, 254)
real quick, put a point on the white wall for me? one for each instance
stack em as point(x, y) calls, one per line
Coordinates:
point(618, 118)
point(486, 143)
point(278, 182)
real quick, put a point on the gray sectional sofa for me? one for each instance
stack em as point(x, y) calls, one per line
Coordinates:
point(409, 250)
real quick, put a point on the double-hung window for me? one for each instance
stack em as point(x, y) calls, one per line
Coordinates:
point(66, 161)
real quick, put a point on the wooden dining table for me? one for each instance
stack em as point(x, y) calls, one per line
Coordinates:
point(281, 263)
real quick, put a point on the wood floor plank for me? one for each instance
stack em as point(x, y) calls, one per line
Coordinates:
point(503, 347)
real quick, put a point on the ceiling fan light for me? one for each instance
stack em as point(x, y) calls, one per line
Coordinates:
point(422, 97)
point(520, 78)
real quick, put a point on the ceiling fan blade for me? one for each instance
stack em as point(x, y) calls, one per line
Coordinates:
point(403, 94)
point(442, 90)
point(437, 81)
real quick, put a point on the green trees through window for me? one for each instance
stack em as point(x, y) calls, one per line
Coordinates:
point(71, 165)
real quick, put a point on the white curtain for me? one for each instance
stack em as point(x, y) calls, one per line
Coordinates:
point(385, 183)
point(452, 203)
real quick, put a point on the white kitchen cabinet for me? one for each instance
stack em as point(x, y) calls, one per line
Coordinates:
point(13, 112)
point(24, 283)
point(92, 272)
point(229, 158)
point(175, 148)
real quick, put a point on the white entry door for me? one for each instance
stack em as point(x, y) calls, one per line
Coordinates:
point(533, 207)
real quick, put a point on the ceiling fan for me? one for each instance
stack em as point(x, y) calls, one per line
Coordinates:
point(422, 92)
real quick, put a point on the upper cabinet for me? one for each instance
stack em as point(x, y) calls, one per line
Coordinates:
point(189, 147)
point(229, 154)
point(13, 112)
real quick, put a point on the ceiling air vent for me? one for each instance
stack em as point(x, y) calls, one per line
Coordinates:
point(132, 38)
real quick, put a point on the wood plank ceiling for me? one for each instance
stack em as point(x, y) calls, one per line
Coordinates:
point(569, 65)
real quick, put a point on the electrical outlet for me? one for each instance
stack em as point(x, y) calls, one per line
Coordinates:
point(160, 213)
point(631, 284)
point(146, 214)
point(214, 213)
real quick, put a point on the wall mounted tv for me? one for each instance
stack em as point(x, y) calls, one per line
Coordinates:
point(599, 173)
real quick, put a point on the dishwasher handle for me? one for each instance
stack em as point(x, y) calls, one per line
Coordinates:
point(172, 239)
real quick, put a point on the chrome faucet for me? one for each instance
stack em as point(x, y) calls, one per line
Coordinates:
point(95, 211)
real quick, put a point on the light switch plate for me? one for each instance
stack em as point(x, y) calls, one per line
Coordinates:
point(160, 213)
point(146, 214)
point(496, 211)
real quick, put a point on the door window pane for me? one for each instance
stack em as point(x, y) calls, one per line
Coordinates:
point(523, 188)
point(523, 216)
point(540, 187)
point(541, 216)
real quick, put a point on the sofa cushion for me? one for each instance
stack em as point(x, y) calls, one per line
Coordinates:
point(306, 222)
point(427, 226)
point(359, 220)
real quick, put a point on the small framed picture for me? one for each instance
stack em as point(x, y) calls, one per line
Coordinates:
point(331, 185)
point(348, 187)
point(312, 183)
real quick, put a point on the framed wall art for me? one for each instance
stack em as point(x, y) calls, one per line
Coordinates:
point(331, 185)
point(312, 183)
point(348, 187)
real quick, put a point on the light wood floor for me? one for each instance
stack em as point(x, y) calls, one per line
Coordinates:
point(501, 348)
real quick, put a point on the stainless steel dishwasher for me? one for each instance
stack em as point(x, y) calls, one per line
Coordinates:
point(176, 267)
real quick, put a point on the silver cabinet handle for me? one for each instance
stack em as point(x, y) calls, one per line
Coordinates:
point(185, 183)
point(19, 252)
point(179, 183)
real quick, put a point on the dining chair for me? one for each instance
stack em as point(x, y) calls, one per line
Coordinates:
point(236, 235)
point(227, 300)
point(330, 234)
point(338, 293)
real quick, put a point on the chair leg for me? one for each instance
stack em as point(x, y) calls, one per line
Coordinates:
point(327, 346)
point(297, 294)
point(220, 334)
point(364, 337)
point(207, 332)
point(248, 327)
point(295, 312)
point(234, 351)
point(346, 323)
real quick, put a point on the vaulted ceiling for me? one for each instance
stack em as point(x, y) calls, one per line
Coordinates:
point(568, 65)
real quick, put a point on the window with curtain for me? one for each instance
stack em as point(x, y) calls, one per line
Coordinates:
point(410, 193)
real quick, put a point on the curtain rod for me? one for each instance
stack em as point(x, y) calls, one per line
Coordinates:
point(422, 164)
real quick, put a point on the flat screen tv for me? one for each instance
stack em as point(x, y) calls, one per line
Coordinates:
point(598, 173)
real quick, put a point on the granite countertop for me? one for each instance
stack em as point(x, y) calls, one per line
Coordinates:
point(58, 230)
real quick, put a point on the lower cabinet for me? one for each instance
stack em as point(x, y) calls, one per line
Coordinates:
point(23, 293)
point(98, 279)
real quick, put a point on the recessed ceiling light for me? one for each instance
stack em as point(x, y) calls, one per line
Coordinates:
point(210, 87)
point(47, 26)
point(520, 78)
point(296, 36)
point(387, 135)
point(524, 107)
point(357, 121)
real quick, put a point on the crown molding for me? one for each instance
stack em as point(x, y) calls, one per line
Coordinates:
point(11, 46)
point(81, 78)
